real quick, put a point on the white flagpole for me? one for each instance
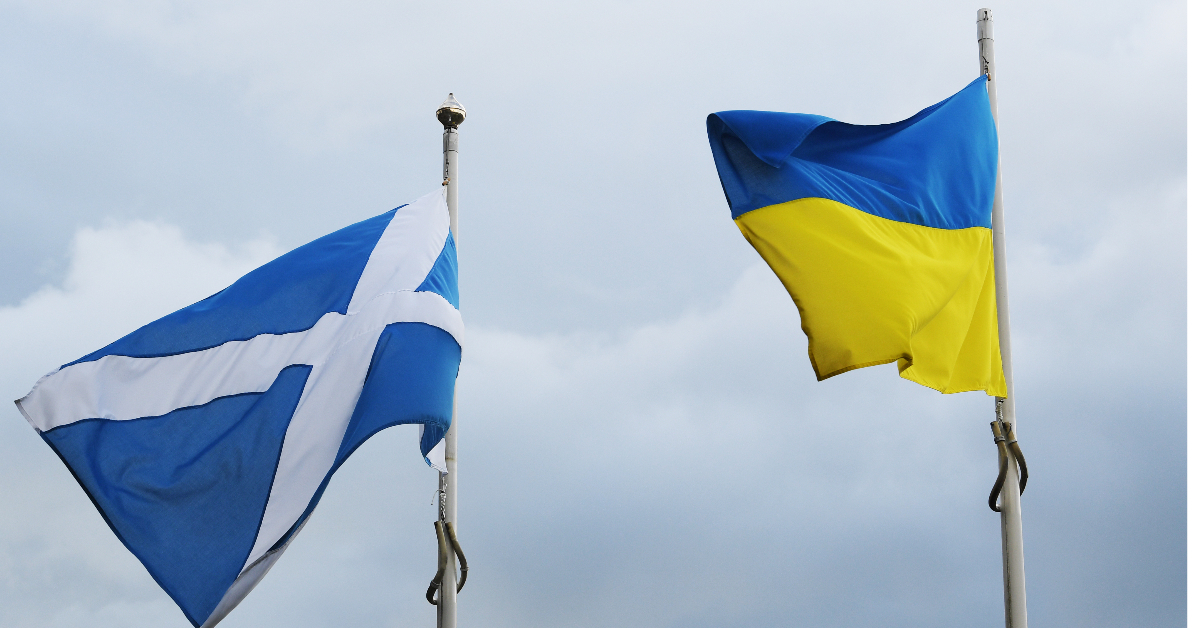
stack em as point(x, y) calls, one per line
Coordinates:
point(1015, 615)
point(450, 114)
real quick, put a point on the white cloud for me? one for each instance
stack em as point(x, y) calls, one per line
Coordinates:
point(120, 278)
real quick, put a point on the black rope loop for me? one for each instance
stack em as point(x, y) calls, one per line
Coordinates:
point(443, 558)
point(447, 543)
point(998, 434)
point(1016, 451)
point(1006, 445)
point(458, 551)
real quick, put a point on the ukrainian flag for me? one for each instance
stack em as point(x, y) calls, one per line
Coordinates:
point(881, 234)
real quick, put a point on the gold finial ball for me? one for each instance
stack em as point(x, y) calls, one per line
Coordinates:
point(451, 113)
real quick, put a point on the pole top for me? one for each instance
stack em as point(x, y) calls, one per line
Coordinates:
point(451, 113)
point(983, 24)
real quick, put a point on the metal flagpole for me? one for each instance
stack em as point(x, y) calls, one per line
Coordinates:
point(450, 114)
point(1010, 497)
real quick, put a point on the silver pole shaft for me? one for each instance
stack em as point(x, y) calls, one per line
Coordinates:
point(1015, 615)
point(447, 594)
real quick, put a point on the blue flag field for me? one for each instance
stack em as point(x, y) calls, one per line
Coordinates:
point(206, 438)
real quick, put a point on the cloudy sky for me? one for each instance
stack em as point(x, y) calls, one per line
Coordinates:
point(643, 441)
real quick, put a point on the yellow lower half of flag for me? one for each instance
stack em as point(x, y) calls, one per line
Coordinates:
point(872, 291)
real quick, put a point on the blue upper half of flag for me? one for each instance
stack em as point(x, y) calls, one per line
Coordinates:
point(207, 437)
point(936, 169)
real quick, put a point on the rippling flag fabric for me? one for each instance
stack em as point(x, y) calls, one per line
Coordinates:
point(881, 234)
point(206, 438)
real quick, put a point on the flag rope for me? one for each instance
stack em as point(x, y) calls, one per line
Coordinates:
point(443, 557)
point(447, 542)
point(1013, 447)
point(998, 436)
point(1006, 445)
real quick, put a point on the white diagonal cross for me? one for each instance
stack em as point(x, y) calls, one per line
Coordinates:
point(338, 347)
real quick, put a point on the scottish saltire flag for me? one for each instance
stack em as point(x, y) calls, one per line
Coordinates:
point(881, 234)
point(207, 437)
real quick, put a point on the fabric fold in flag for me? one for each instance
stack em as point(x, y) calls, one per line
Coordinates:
point(206, 438)
point(881, 234)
